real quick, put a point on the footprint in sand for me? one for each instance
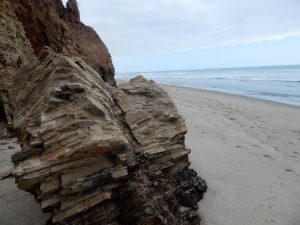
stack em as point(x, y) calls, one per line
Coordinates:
point(257, 146)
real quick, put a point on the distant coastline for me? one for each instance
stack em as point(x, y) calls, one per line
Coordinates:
point(273, 83)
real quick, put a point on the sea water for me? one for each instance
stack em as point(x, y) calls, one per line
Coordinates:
point(276, 83)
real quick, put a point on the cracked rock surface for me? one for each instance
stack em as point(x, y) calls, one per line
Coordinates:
point(91, 152)
point(89, 146)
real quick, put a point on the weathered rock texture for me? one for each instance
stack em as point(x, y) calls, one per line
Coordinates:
point(94, 154)
point(15, 50)
point(91, 153)
point(48, 22)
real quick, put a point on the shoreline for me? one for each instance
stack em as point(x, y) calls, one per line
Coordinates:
point(222, 92)
point(247, 150)
point(233, 95)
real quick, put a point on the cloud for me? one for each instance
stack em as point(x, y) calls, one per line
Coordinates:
point(249, 41)
point(135, 27)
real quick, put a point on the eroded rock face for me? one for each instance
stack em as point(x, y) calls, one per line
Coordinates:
point(15, 50)
point(95, 154)
point(91, 153)
point(49, 23)
point(28, 26)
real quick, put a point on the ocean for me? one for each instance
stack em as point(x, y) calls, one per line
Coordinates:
point(276, 83)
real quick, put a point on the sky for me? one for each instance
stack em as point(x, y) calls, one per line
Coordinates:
point(157, 35)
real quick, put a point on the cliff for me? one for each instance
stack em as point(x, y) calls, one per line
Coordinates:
point(49, 23)
point(92, 153)
point(15, 50)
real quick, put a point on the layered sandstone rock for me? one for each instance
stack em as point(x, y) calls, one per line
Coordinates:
point(91, 153)
point(15, 50)
point(96, 154)
point(28, 26)
point(49, 23)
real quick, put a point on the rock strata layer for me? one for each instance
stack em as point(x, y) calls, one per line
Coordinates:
point(92, 153)
point(87, 145)
point(15, 50)
point(49, 23)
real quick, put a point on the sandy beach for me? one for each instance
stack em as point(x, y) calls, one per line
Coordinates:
point(248, 151)
point(17, 207)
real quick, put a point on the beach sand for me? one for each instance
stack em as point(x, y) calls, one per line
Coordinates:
point(17, 207)
point(248, 151)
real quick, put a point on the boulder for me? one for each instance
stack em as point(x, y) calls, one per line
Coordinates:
point(92, 153)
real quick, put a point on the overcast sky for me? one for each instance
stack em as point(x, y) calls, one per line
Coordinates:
point(154, 35)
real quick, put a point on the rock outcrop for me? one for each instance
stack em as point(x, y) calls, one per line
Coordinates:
point(49, 23)
point(15, 50)
point(86, 145)
point(92, 153)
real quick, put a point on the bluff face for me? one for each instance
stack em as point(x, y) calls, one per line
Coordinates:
point(92, 153)
point(49, 23)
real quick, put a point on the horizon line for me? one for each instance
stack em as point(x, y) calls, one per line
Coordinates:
point(212, 68)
